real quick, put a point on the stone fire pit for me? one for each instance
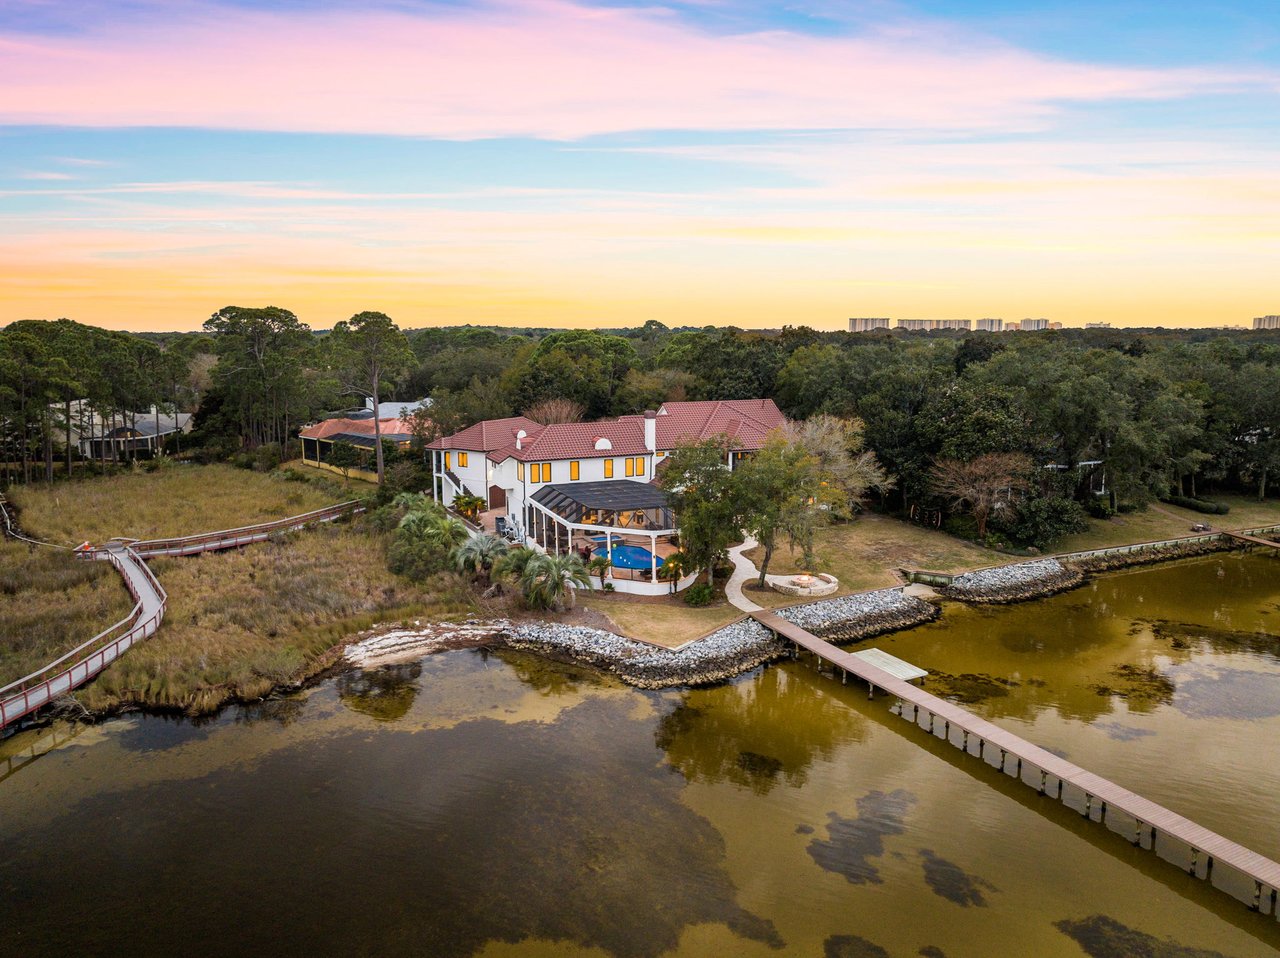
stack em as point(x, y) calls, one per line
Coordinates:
point(805, 584)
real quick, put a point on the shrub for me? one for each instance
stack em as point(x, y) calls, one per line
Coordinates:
point(700, 594)
point(1099, 508)
point(405, 476)
point(1042, 522)
point(960, 526)
point(1205, 506)
point(416, 558)
point(266, 457)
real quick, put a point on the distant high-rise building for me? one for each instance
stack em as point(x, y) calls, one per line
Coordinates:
point(989, 325)
point(1097, 325)
point(927, 324)
point(866, 324)
point(1266, 322)
point(1033, 324)
point(1055, 325)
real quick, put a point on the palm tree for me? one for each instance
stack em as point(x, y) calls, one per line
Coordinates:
point(549, 581)
point(468, 505)
point(479, 554)
point(413, 501)
point(447, 532)
point(599, 565)
point(511, 565)
point(672, 568)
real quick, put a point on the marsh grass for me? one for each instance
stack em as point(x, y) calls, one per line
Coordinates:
point(51, 602)
point(239, 623)
point(178, 500)
point(243, 622)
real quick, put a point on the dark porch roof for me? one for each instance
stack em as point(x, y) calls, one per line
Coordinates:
point(609, 496)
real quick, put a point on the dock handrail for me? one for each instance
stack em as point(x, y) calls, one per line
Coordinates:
point(27, 694)
point(183, 545)
point(41, 687)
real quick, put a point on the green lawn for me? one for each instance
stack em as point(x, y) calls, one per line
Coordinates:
point(1163, 521)
point(863, 554)
point(670, 622)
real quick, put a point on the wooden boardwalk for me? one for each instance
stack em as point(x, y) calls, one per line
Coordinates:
point(1228, 866)
point(1254, 540)
point(75, 668)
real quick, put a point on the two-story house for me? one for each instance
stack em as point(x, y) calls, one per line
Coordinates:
point(587, 487)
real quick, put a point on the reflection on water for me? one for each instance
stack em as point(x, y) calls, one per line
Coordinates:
point(507, 807)
point(758, 734)
point(1164, 679)
point(384, 694)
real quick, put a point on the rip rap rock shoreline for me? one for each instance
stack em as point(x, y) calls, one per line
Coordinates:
point(725, 653)
point(851, 618)
point(1012, 583)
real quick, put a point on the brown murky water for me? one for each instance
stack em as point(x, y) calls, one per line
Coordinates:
point(477, 805)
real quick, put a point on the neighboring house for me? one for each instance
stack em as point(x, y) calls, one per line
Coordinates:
point(122, 436)
point(356, 428)
point(318, 441)
point(588, 486)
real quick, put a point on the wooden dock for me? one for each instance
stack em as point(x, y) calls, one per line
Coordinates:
point(1245, 875)
point(1254, 540)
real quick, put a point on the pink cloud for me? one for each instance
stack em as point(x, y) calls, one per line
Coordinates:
point(545, 68)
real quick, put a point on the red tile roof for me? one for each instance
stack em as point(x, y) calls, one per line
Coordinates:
point(577, 440)
point(488, 435)
point(747, 422)
point(360, 427)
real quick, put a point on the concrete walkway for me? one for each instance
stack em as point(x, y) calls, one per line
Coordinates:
point(744, 571)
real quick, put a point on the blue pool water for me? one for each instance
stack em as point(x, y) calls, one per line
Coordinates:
point(632, 557)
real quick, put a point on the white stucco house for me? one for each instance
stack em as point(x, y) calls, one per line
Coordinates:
point(587, 487)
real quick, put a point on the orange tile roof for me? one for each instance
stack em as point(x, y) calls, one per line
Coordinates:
point(747, 422)
point(360, 427)
point(488, 435)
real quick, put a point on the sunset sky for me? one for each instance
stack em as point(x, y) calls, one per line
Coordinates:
point(544, 162)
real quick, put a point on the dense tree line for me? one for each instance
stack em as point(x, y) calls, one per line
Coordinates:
point(54, 376)
point(1067, 421)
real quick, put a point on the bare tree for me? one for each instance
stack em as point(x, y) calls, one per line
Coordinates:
point(985, 485)
point(550, 411)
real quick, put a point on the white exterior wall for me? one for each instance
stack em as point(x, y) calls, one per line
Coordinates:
point(589, 470)
point(474, 474)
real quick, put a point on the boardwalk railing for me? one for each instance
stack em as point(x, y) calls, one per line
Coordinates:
point(85, 661)
point(231, 538)
point(1245, 875)
point(82, 663)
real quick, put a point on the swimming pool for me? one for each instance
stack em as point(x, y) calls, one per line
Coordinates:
point(631, 557)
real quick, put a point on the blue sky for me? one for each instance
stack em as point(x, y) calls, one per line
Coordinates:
point(555, 162)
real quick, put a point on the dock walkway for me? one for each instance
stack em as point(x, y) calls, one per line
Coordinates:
point(1254, 540)
point(75, 668)
point(1228, 866)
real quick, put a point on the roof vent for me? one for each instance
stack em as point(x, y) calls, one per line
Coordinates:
point(602, 443)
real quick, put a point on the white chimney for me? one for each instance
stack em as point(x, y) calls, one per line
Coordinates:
point(519, 436)
point(651, 430)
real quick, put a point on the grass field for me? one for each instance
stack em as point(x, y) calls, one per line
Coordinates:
point(863, 554)
point(179, 500)
point(50, 603)
point(243, 621)
point(664, 623)
point(238, 623)
point(1163, 521)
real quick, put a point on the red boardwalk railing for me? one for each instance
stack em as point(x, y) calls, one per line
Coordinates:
point(74, 668)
